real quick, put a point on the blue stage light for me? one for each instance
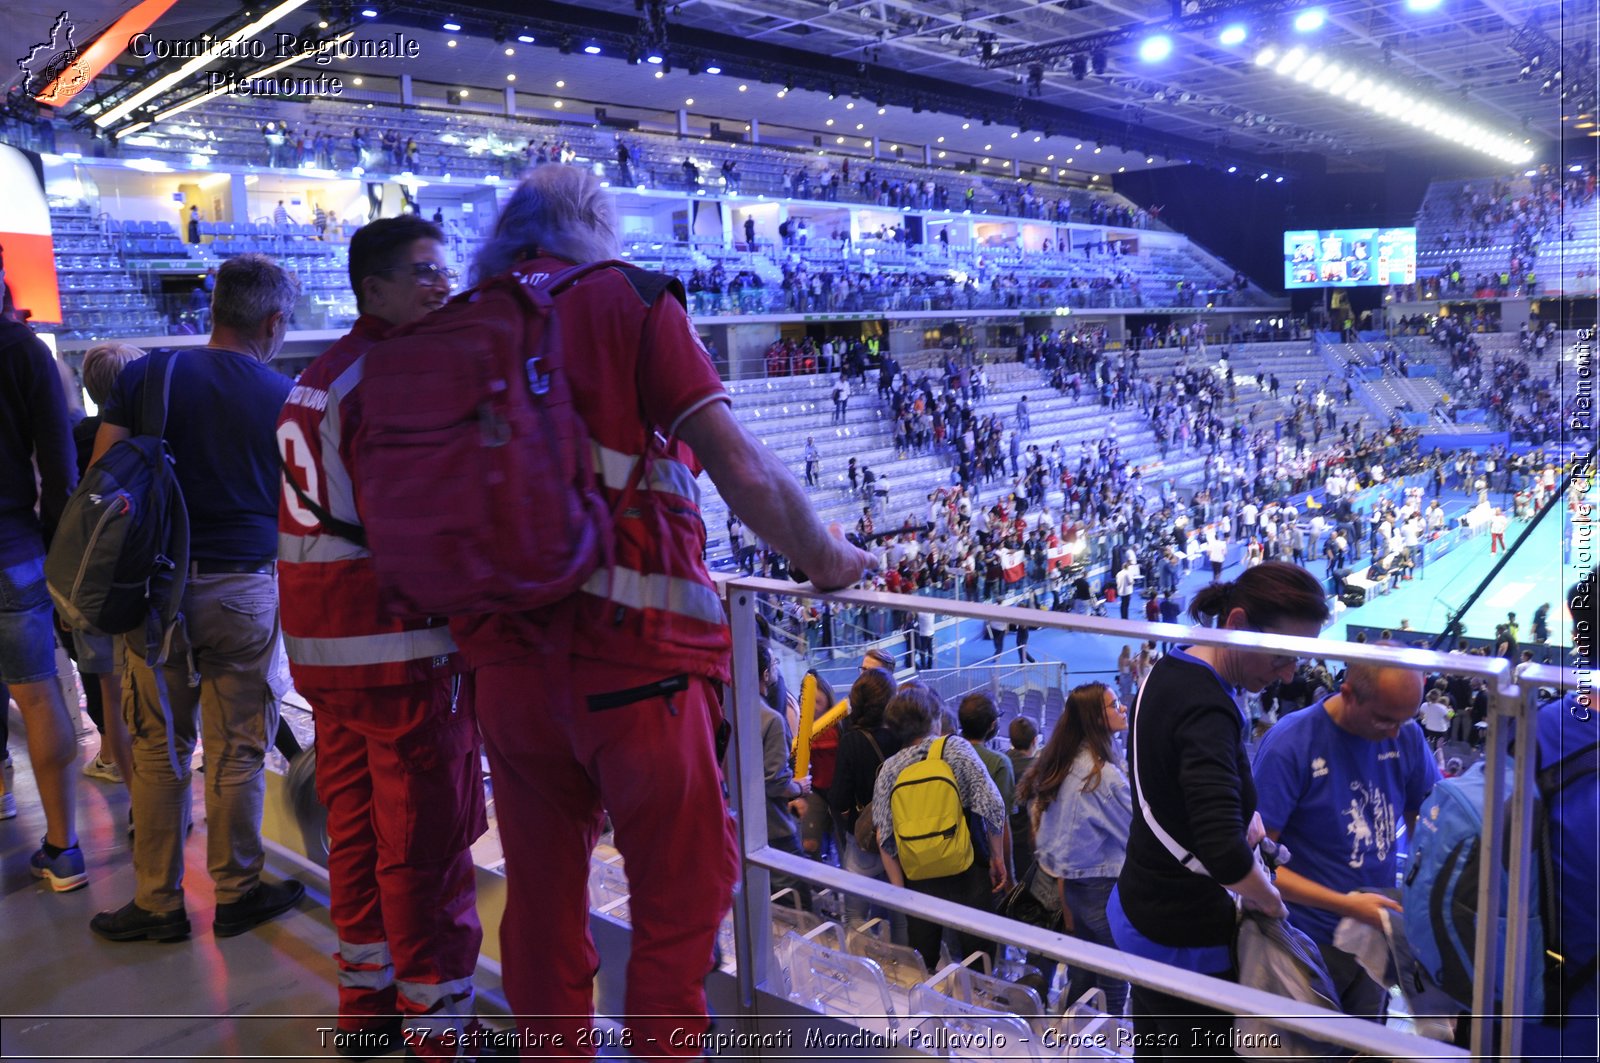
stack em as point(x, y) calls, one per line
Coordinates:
point(1154, 49)
point(1311, 20)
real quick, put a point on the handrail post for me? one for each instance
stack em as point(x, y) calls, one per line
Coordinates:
point(1520, 825)
point(746, 791)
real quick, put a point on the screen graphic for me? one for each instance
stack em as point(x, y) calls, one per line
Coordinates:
point(1349, 258)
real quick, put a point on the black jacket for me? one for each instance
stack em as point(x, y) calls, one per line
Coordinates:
point(855, 769)
point(1189, 752)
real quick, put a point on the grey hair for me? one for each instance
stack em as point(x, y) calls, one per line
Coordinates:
point(560, 210)
point(249, 289)
point(102, 364)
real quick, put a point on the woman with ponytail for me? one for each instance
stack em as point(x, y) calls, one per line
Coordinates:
point(1191, 844)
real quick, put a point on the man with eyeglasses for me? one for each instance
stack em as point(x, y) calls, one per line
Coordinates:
point(397, 744)
point(1334, 783)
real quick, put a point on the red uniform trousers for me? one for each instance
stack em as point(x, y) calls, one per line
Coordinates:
point(560, 752)
point(399, 771)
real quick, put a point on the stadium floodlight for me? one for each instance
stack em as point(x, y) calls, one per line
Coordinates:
point(591, 49)
point(713, 70)
point(204, 59)
point(1421, 6)
point(1311, 20)
point(1393, 101)
point(1309, 68)
point(653, 60)
point(1155, 49)
point(1233, 169)
point(525, 39)
point(452, 27)
point(368, 12)
point(1234, 34)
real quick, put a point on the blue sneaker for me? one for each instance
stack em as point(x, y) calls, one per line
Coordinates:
point(65, 872)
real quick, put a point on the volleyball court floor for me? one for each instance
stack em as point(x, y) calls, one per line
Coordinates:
point(1539, 572)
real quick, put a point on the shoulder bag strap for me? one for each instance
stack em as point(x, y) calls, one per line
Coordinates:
point(873, 742)
point(1179, 853)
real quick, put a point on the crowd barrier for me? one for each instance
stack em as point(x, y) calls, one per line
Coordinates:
point(1513, 703)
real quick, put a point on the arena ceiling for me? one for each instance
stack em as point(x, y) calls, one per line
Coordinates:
point(1015, 79)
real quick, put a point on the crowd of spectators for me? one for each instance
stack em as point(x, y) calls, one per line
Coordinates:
point(1517, 389)
point(1032, 515)
point(315, 146)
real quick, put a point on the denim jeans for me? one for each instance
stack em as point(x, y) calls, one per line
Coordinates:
point(1086, 899)
point(27, 630)
point(858, 911)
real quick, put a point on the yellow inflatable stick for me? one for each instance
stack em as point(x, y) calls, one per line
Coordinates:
point(802, 742)
point(808, 712)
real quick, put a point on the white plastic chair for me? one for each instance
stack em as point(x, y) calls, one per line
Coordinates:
point(836, 983)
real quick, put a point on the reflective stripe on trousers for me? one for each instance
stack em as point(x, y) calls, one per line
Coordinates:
point(365, 965)
point(455, 998)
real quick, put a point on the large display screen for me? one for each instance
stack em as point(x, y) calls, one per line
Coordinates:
point(1348, 258)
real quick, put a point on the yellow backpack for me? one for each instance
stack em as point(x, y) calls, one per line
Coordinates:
point(930, 826)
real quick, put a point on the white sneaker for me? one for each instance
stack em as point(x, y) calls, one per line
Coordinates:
point(106, 770)
point(8, 805)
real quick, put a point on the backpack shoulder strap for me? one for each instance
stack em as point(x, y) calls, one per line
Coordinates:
point(157, 391)
point(646, 285)
point(1574, 766)
point(352, 533)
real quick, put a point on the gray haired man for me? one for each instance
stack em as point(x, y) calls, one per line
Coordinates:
point(222, 679)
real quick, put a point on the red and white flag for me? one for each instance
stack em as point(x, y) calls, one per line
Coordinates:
point(1012, 565)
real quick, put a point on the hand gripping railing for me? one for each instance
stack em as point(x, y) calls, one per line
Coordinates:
point(1510, 706)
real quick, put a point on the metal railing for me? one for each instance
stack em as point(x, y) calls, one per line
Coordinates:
point(1513, 708)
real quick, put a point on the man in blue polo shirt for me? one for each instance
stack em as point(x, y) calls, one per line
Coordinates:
point(219, 680)
point(1334, 783)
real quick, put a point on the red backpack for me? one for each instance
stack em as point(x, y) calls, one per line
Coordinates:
point(477, 487)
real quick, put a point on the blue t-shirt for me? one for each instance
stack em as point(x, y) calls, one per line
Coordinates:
point(1567, 726)
point(1340, 802)
point(222, 418)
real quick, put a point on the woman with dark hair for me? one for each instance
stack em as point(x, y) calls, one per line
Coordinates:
point(912, 715)
point(864, 744)
point(1077, 792)
point(1191, 846)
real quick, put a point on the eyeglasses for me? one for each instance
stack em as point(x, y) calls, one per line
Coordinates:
point(425, 272)
point(1277, 661)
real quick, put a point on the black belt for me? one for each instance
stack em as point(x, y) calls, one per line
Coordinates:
point(231, 568)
